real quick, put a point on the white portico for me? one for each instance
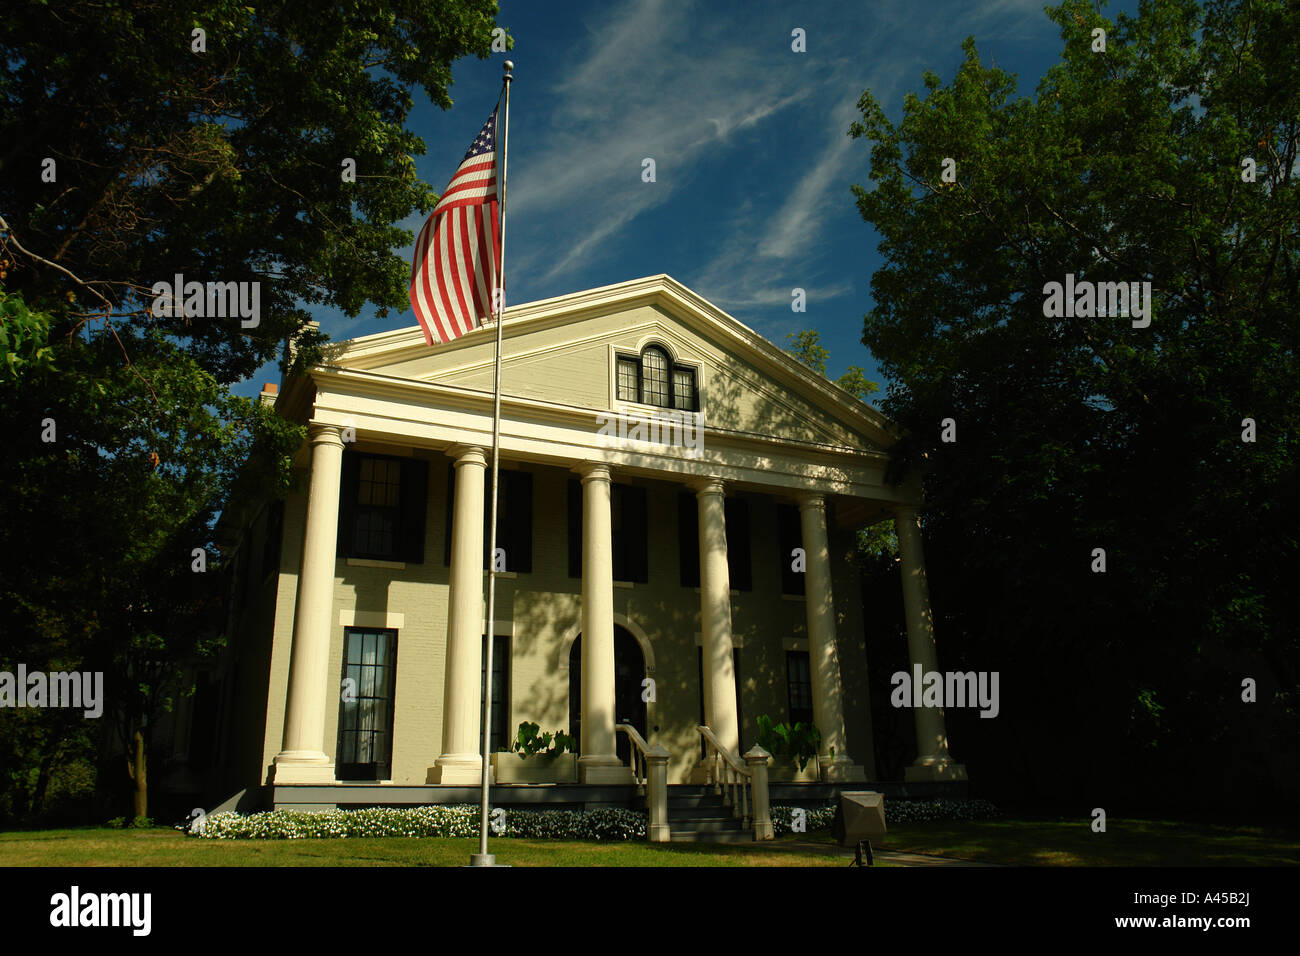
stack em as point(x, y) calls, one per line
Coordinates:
point(398, 451)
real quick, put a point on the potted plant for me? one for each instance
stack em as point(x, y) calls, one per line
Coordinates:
point(543, 757)
point(793, 749)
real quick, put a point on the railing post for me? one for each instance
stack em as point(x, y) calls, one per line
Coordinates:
point(656, 761)
point(757, 759)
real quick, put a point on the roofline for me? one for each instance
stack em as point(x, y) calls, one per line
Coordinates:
point(411, 338)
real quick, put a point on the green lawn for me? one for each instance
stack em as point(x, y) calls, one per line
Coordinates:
point(1062, 842)
point(1021, 841)
point(162, 847)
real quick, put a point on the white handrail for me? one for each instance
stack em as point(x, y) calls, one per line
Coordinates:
point(639, 750)
point(653, 775)
point(748, 783)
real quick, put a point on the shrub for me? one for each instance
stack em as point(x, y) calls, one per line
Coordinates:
point(425, 821)
point(896, 812)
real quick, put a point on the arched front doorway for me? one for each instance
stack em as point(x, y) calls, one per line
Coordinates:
point(629, 672)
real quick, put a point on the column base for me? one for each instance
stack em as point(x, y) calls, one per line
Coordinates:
point(603, 768)
point(302, 767)
point(841, 770)
point(459, 771)
point(660, 833)
point(934, 769)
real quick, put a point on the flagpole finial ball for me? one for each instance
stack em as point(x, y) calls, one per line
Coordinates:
point(508, 65)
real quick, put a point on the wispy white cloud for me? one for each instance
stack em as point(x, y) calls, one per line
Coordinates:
point(638, 91)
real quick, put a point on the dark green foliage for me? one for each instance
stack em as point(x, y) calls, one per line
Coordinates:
point(1075, 433)
point(222, 166)
point(800, 742)
point(528, 742)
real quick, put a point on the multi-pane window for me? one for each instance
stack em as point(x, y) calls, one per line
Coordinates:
point(502, 733)
point(379, 497)
point(654, 377)
point(382, 504)
point(366, 709)
point(684, 388)
point(627, 388)
point(798, 682)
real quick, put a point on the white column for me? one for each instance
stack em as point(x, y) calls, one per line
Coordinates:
point(302, 758)
point(599, 762)
point(715, 617)
point(461, 762)
point(823, 656)
point(933, 762)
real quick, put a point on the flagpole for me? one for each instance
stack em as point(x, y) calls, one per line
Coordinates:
point(483, 857)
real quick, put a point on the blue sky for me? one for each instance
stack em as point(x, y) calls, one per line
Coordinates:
point(753, 163)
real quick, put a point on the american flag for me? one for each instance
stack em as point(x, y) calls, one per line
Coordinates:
point(452, 275)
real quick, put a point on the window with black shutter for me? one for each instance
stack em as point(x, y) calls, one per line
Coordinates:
point(688, 540)
point(736, 515)
point(382, 507)
point(790, 534)
point(738, 551)
point(514, 519)
point(798, 682)
point(629, 532)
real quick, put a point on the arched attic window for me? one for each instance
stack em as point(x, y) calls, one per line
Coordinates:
point(653, 378)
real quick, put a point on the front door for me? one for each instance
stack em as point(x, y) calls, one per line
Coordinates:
point(629, 672)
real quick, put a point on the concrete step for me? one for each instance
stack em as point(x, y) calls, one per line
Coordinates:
point(707, 826)
point(724, 836)
point(699, 813)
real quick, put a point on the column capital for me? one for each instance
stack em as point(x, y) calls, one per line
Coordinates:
point(593, 471)
point(321, 434)
point(707, 486)
point(468, 455)
point(810, 499)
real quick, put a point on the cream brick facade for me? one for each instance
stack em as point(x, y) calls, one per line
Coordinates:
point(774, 434)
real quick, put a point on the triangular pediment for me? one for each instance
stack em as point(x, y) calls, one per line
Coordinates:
point(563, 351)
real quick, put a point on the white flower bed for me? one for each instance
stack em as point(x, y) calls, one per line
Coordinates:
point(424, 821)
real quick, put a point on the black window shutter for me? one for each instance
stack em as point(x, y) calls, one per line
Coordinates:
point(575, 528)
point(792, 582)
point(503, 521)
point(414, 505)
point(510, 490)
point(688, 540)
point(451, 497)
point(738, 564)
point(519, 534)
point(618, 536)
point(349, 481)
point(636, 544)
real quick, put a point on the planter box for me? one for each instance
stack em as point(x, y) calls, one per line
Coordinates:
point(786, 770)
point(555, 768)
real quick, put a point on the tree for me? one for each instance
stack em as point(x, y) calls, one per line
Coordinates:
point(1081, 433)
point(140, 141)
point(807, 348)
point(877, 543)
